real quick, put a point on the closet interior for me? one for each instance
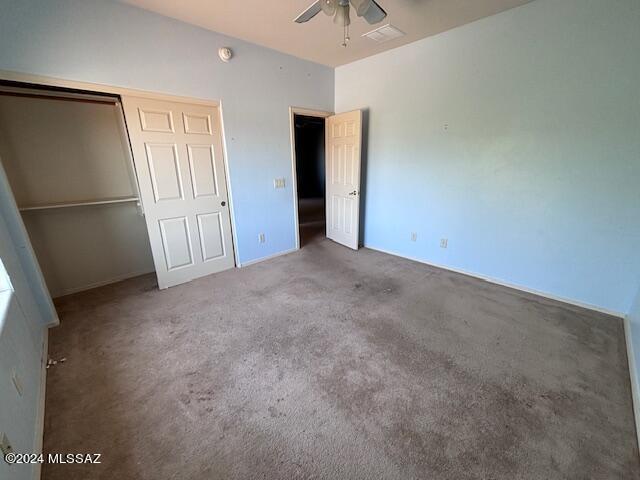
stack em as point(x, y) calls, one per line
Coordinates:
point(67, 157)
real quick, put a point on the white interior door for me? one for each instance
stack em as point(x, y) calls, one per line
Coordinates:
point(343, 157)
point(177, 151)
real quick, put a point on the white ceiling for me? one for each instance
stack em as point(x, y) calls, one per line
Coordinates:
point(270, 23)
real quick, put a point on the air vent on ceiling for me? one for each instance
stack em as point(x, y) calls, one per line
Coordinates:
point(384, 33)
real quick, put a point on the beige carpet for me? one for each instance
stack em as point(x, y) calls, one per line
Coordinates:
point(333, 364)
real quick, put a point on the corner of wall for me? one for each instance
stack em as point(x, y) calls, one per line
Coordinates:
point(633, 376)
point(633, 317)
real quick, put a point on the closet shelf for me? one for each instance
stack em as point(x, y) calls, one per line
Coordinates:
point(102, 201)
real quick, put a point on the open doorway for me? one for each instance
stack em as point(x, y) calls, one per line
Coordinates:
point(308, 135)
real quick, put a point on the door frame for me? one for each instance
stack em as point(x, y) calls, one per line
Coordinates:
point(293, 111)
point(87, 87)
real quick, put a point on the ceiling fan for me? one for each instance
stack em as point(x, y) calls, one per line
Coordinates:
point(339, 9)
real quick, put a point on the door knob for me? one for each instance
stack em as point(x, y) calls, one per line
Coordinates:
point(223, 203)
point(355, 192)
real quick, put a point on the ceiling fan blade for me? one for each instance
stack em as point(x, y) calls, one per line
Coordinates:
point(359, 6)
point(309, 13)
point(370, 10)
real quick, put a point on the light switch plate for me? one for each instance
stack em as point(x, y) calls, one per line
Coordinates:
point(278, 183)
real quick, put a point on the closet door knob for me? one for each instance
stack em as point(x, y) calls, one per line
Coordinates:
point(223, 203)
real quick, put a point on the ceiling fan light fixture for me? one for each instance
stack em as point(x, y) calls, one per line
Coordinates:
point(329, 7)
point(342, 16)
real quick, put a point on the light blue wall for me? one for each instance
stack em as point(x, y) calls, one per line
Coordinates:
point(536, 180)
point(111, 43)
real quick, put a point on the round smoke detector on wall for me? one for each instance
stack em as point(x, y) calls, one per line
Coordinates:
point(225, 54)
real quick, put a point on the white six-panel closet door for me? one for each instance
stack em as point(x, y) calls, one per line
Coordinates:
point(177, 150)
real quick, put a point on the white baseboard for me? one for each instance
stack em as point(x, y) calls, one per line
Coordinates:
point(268, 257)
point(102, 283)
point(633, 373)
point(39, 432)
point(496, 281)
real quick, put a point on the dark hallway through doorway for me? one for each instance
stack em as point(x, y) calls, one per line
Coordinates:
point(310, 173)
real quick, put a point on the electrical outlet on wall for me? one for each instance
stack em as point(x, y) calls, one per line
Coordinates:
point(278, 183)
point(261, 238)
point(444, 242)
point(414, 236)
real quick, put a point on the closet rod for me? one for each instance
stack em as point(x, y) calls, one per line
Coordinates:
point(58, 97)
point(105, 201)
